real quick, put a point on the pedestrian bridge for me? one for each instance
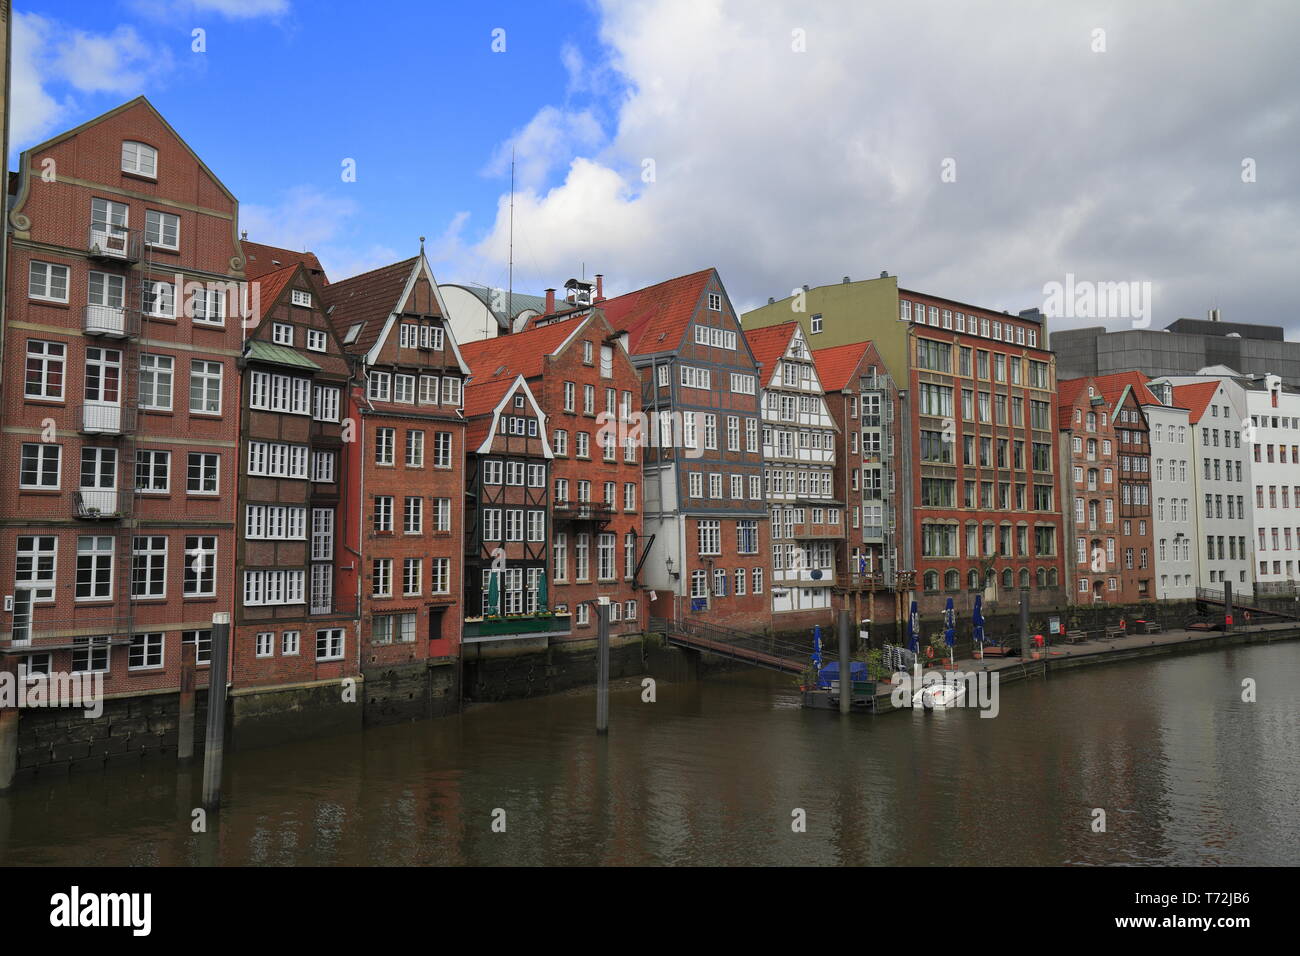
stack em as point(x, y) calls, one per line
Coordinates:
point(760, 650)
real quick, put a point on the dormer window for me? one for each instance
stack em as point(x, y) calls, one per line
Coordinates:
point(298, 297)
point(139, 159)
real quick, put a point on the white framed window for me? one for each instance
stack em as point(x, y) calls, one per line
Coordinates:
point(47, 281)
point(382, 519)
point(207, 306)
point(378, 386)
point(200, 579)
point(715, 302)
point(290, 643)
point(139, 159)
point(322, 534)
point(322, 467)
point(414, 448)
point(316, 341)
point(45, 370)
point(329, 644)
point(41, 466)
point(205, 387)
point(404, 389)
point(381, 577)
point(325, 403)
point(36, 565)
point(451, 391)
point(282, 333)
point(152, 471)
point(149, 566)
point(95, 567)
point(145, 652)
point(162, 229)
point(440, 576)
point(412, 577)
point(442, 449)
point(156, 381)
point(160, 300)
point(413, 515)
point(299, 297)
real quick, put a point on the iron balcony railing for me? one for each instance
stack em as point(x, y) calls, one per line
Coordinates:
point(106, 419)
point(110, 320)
point(102, 504)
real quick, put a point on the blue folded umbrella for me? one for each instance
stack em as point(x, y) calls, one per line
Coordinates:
point(913, 628)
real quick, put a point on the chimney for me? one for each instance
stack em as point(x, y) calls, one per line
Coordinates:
point(243, 235)
point(846, 280)
point(771, 299)
point(884, 274)
point(805, 288)
point(600, 288)
point(550, 301)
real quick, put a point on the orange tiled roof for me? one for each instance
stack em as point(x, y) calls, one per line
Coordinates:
point(656, 317)
point(836, 364)
point(506, 356)
point(1196, 398)
point(769, 344)
point(1112, 387)
point(270, 286)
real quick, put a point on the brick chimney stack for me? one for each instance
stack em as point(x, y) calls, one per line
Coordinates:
point(600, 288)
point(550, 302)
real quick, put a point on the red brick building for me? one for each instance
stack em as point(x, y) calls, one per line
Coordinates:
point(407, 482)
point(861, 398)
point(293, 623)
point(1107, 481)
point(586, 385)
point(984, 460)
point(120, 402)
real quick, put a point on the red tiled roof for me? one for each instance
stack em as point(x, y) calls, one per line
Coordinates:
point(369, 299)
point(1112, 387)
point(836, 364)
point(1067, 393)
point(769, 344)
point(656, 317)
point(1196, 398)
point(270, 286)
point(263, 260)
point(522, 353)
point(480, 401)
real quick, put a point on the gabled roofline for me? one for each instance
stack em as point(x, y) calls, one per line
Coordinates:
point(421, 266)
point(486, 447)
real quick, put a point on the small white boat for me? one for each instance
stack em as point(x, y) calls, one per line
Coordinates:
point(939, 695)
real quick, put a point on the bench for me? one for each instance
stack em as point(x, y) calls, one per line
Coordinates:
point(1114, 632)
point(1150, 627)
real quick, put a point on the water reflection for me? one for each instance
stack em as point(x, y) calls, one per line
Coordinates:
point(711, 773)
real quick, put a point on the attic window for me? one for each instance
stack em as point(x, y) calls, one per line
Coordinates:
point(519, 401)
point(301, 298)
point(498, 371)
point(351, 334)
point(139, 159)
point(715, 302)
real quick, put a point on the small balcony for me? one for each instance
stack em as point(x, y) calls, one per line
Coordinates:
point(113, 243)
point(807, 577)
point(108, 320)
point(102, 504)
point(516, 627)
point(809, 530)
point(873, 532)
point(106, 419)
point(583, 511)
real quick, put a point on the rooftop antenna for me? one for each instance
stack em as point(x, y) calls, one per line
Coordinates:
point(510, 265)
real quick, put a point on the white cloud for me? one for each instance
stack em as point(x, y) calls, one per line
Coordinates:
point(304, 218)
point(551, 138)
point(48, 55)
point(782, 167)
point(230, 9)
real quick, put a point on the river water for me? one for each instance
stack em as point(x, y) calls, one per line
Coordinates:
point(713, 772)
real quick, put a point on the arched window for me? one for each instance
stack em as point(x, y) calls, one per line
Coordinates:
point(991, 578)
point(931, 580)
point(1042, 577)
point(1051, 577)
point(1008, 578)
point(973, 580)
point(951, 580)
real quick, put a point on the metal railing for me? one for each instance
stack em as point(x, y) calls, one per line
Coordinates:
point(109, 320)
point(105, 419)
point(111, 241)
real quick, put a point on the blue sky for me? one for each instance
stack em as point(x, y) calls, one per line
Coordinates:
point(979, 150)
